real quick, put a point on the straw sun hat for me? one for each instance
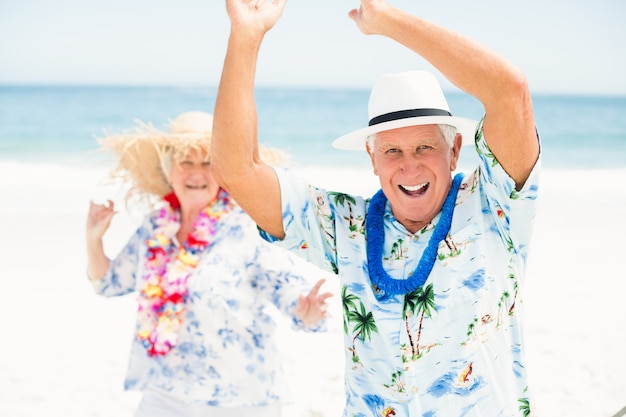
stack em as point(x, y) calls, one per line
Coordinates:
point(406, 99)
point(145, 153)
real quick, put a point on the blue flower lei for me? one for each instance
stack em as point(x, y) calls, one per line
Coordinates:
point(376, 238)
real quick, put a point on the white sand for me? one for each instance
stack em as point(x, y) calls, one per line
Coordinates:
point(64, 350)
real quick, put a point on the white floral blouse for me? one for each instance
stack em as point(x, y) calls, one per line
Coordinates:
point(452, 347)
point(225, 355)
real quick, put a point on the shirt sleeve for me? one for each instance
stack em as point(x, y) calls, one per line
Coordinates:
point(513, 210)
point(308, 220)
point(121, 277)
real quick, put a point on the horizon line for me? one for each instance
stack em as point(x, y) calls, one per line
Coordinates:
point(50, 84)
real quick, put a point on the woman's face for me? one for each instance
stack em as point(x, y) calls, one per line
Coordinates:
point(192, 181)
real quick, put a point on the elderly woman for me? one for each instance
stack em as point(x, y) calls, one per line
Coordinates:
point(204, 278)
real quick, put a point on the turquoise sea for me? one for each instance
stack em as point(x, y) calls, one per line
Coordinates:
point(60, 123)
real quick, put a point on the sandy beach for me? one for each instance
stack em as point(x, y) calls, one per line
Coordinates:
point(64, 350)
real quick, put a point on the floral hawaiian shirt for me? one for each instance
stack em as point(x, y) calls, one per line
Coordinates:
point(452, 347)
point(225, 355)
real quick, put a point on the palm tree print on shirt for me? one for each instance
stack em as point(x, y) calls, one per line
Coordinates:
point(348, 302)
point(364, 324)
point(355, 224)
point(524, 406)
point(397, 250)
point(420, 302)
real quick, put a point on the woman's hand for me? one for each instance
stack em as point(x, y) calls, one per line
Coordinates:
point(312, 308)
point(98, 219)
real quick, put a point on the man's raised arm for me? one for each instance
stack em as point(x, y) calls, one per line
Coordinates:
point(509, 125)
point(235, 158)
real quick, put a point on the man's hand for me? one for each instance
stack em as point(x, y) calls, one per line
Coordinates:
point(365, 16)
point(256, 16)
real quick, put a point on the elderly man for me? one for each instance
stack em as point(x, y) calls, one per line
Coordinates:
point(431, 267)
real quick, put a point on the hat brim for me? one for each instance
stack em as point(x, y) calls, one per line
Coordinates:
point(139, 156)
point(355, 141)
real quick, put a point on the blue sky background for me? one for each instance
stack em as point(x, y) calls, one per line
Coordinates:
point(564, 46)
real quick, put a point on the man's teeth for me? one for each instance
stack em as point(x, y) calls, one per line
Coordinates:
point(414, 187)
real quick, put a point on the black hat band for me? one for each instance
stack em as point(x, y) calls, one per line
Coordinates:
point(405, 114)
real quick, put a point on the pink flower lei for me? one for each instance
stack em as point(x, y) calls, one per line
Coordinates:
point(167, 269)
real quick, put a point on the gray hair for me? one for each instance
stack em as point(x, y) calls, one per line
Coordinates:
point(448, 131)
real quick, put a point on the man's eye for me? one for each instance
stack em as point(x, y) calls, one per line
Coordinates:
point(392, 150)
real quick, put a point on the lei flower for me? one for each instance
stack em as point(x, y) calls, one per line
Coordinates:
point(167, 269)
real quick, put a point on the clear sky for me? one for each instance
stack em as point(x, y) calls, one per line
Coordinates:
point(563, 46)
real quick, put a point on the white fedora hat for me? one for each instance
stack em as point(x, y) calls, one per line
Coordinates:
point(406, 99)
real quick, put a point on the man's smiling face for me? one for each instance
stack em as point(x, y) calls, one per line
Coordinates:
point(414, 166)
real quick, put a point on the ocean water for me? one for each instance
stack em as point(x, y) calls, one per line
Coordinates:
point(60, 124)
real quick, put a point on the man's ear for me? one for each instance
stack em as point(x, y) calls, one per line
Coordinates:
point(370, 152)
point(456, 151)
